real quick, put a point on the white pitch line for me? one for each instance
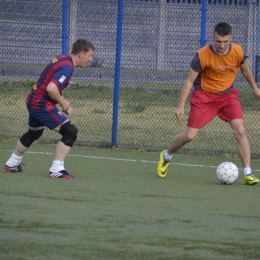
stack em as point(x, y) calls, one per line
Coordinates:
point(121, 159)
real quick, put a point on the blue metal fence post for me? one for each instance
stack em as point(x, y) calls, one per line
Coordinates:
point(203, 23)
point(117, 72)
point(64, 26)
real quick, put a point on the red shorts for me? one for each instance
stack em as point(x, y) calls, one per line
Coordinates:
point(205, 106)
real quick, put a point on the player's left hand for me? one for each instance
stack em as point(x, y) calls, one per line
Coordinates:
point(68, 111)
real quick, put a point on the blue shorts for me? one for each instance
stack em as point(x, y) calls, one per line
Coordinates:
point(50, 118)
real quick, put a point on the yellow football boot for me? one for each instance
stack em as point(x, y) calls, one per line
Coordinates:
point(250, 179)
point(162, 165)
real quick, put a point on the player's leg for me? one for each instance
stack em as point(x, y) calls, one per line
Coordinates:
point(13, 164)
point(27, 139)
point(178, 141)
point(202, 111)
point(55, 120)
point(243, 148)
point(231, 111)
point(181, 139)
point(69, 136)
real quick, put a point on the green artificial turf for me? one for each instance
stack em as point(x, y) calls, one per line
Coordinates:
point(117, 208)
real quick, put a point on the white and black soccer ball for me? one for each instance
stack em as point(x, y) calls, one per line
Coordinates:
point(227, 173)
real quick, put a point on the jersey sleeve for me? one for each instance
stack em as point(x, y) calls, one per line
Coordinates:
point(62, 75)
point(244, 59)
point(195, 64)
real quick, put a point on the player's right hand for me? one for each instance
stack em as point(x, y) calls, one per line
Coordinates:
point(179, 112)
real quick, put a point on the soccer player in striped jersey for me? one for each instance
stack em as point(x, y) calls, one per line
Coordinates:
point(41, 103)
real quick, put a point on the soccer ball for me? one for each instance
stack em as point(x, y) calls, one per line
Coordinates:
point(227, 173)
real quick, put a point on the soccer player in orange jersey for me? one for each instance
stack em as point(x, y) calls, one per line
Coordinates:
point(212, 73)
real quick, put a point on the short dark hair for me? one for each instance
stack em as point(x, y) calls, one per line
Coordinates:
point(223, 29)
point(82, 45)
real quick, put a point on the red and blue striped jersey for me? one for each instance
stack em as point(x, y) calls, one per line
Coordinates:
point(58, 71)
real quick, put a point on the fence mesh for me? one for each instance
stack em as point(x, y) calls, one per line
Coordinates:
point(159, 40)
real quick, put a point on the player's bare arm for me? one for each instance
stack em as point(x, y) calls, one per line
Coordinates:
point(179, 111)
point(248, 75)
point(55, 95)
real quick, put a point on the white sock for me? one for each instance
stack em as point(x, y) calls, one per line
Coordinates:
point(14, 160)
point(57, 166)
point(247, 170)
point(167, 156)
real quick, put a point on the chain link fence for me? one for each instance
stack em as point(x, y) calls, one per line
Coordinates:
point(158, 41)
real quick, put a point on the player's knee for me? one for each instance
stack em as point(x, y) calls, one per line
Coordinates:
point(69, 133)
point(240, 131)
point(190, 136)
point(30, 136)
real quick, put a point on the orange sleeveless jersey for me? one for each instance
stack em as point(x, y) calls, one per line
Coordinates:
point(219, 71)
